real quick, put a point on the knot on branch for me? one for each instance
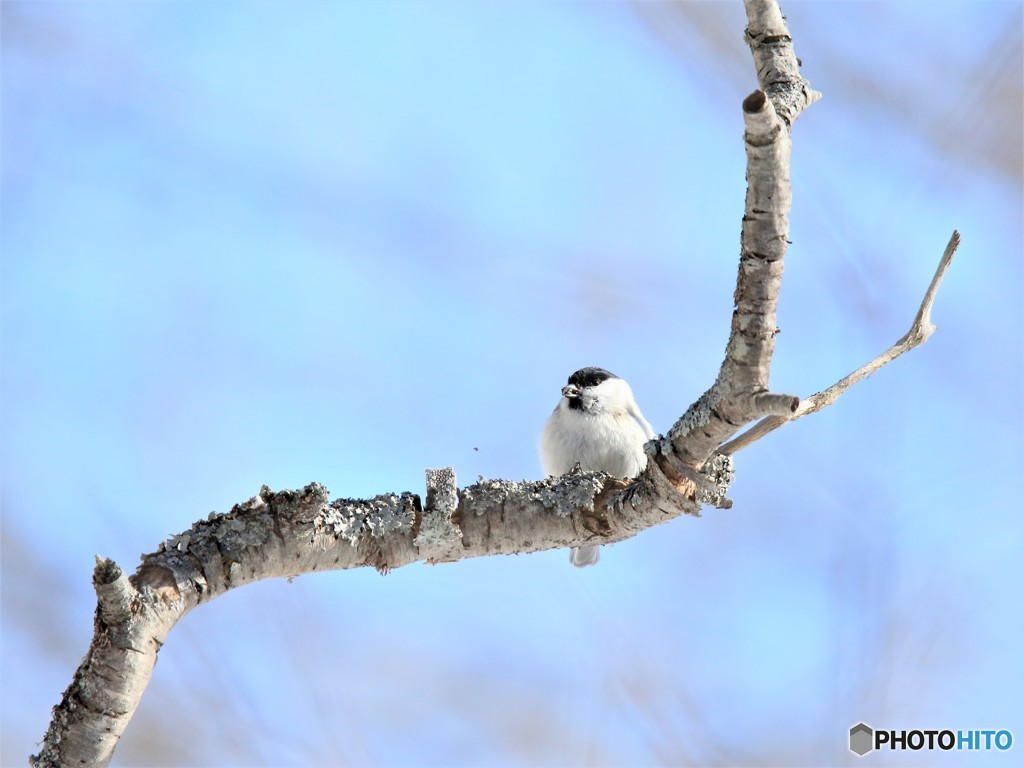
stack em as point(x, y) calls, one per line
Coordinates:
point(755, 102)
point(158, 578)
point(115, 595)
point(769, 404)
point(763, 127)
point(439, 536)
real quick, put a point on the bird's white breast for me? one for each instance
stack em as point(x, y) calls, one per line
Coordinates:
point(606, 441)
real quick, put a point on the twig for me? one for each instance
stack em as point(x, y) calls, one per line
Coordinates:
point(919, 332)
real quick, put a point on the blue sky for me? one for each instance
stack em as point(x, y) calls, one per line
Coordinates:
point(245, 244)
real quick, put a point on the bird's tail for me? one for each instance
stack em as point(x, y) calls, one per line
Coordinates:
point(583, 556)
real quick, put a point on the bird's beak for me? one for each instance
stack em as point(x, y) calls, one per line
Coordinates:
point(570, 391)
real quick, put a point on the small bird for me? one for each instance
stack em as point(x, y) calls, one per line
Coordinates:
point(598, 425)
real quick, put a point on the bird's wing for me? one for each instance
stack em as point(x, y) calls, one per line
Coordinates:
point(634, 411)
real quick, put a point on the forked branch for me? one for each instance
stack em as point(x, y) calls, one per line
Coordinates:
point(740, 394)
point(918, 334)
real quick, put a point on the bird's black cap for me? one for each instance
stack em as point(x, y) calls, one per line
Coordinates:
point(590, 377)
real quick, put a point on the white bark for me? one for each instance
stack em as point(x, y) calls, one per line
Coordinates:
point(293, 532)
point(740, 393)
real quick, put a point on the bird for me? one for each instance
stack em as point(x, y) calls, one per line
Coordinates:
point(597, 425)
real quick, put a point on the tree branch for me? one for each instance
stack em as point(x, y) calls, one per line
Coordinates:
point(740, 393)
point(274, 535)
point(283, 534)
point(918, 334)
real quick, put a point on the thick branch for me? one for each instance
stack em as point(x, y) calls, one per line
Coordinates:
point(918, 334)
point(740, 393)
point(283, 534)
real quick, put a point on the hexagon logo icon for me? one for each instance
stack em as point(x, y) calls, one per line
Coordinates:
point(862, 739)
